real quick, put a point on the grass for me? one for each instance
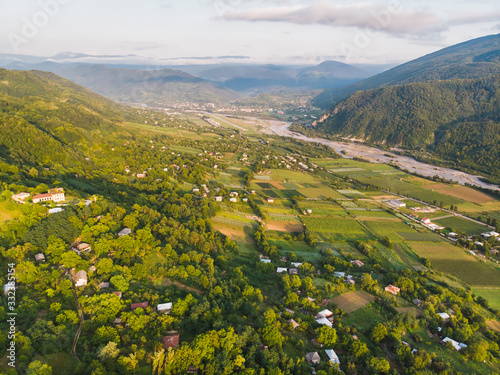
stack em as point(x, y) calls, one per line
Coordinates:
point(455, 261)
point(419, 236)
point(384, 229)
point(492, 295)
point(460, 225)
point(353, 301)
point(337, 229)
point(9, 211)
point(365, 318)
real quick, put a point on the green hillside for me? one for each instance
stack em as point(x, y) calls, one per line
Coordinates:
point(457, 120)
point(472, 59)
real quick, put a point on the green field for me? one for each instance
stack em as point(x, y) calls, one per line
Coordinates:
point(391, 229)
point(460, 225)
point(421, 236)
point(492, 295)
point(338, 229)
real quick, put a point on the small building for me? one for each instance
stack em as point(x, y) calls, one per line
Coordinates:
point(118, 294)
point(233, 194)
point(164, 308)
point(233, 200)
point(456, 345)
point(54, 195)
point(141, 305)
point(396, 203)
point(81, 278)
point(392, 289)
point(21, 196)
point(104, 285)
point(117, 322)
point(426, 220)
point(291, 312)
point(281, 270)
point(196, 190)
point(339, 274)
point(284, 259)
point(293, 323)
point(264, 260)
point(324, 314)
point(55, 210)
point(452, 235)
point(293, 271)
point(84, 247)
point(444, 316)
point(125, 232)
point(296, 264)
point(332, 356)
point(309, 211)
point(245, 200)
point(357, 263)
point(218, 199)
point(313, 358)
point(270, 200)
point(40, 257)
point(324, 322)
point(417, 302)
point(141, 175)
point(92, 269)
point(170, 341)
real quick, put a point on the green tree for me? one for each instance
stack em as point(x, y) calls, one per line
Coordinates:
point(378, 333)
point(120, 283)
point(380, 365)
point(327, 336)
point(38, 368)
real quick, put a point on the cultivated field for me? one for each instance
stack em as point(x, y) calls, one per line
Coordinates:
point(339, 229)
point(460, 225)
point(353, 301)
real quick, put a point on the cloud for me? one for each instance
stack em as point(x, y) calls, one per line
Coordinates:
point(392, 20)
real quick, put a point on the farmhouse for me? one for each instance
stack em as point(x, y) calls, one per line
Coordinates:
point(270, 200)
point(357, 263)
point(170, 341)
point(293, 323)
point(54, 195)
point(138, 305)
point(293, 271)
point(313, 357)
point(456, 345)
point(233, 200)
point(444, 316)
point(55, 210)
point(81, 278)
point(264, 260)
point(83, 248)
point(218, 199)
point(324, 314)
point(324, 322)
point(296, 264)
point(281, 270)
point(104, 285)
point(392, 289)
point(164, 308)
point(396, 203)
point(426, 220)
point(333, 357)
point(40, 257)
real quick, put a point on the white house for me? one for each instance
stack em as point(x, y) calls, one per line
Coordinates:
point(444, 316)
point(218, 199)
point(164, 308)
point(324, 314)
point(264, 260)
point(296, 264)
point(281, 270)
point(125, 232)
point(333, 357)
point(233, 200)
point(40, 257)
point(80, 278)
point(54, 195)
point(456, 345)
point(324, 322)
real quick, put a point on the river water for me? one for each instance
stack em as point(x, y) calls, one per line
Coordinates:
point(379, 156)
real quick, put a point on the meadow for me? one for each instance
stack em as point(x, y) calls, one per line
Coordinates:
point(337, 229)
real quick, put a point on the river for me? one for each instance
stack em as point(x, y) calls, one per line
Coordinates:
point(375, 155)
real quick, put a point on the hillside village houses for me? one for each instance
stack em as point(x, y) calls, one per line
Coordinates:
point(392, 289)
point(81, 278)
point(54, 195)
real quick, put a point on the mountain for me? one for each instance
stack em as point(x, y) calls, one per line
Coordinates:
point(153, 87)
point(455, 120)
point(329, 74)
point(472, 59)
point(47, 120)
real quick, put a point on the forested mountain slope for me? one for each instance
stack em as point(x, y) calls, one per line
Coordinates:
point(454, 119)
point(469, 60)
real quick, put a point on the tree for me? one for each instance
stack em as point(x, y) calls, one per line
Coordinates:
point(38, 368)
point(110, 351)
point(477, 351)
point(120, 283)
point(70, 259)
point(380, 365)
point(378, 333)
point(326, 335)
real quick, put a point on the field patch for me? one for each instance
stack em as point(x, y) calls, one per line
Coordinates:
point(271, 193)
point(290, 193)
point(460, 225)
point(353, 301)
point(417, 236)
point(265, 185)
point(492, 295)
point(340, 229)
point(285, 226)
point(494, 325)
point(467, 194)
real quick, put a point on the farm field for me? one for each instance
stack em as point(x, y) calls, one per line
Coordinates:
point(353, 301)
point(365, 318)
point(337, 229)
point(491, 294)
point(455, 261)
point(460, 225)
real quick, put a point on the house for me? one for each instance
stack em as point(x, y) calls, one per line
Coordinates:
point(324, 322)
point(291, 312)
point(170, 341)
point(494, 251)
point(233, 200)
point(281, 270)
point(270, 200)
point(117, 322)
point(84, 247)
point(284, 259)
point(164, 308)
point(81, 278)
point(40, 257)
point(296, 264)
point(233, 194)
point(138, 305)
point(339, 274)
point(218, 199)
point(293, 271)
point(392, 289)
point(310, 299)
point(293, 323)
point(313, 357)
point(264, 260)
point(309, 211)
point(245, 200)
point(477, 243)
point(417, 302)
point(54, 195)
point(444, 316)
point(55, 210)
point(141, 175)
point(118, 294)
point(21, 196)
point(125, 232)
point(92, 269)
point(456, 345)
point(324, 314)
point(426, 220)
point(452, 235)
point(357, 263)
point(332, 356)
point(104, 285)
point(196, 190)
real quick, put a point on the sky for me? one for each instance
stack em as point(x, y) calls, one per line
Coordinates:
point(293, 32)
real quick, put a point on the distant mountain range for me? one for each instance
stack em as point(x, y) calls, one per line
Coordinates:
point(135, 79)
point(472, 59)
